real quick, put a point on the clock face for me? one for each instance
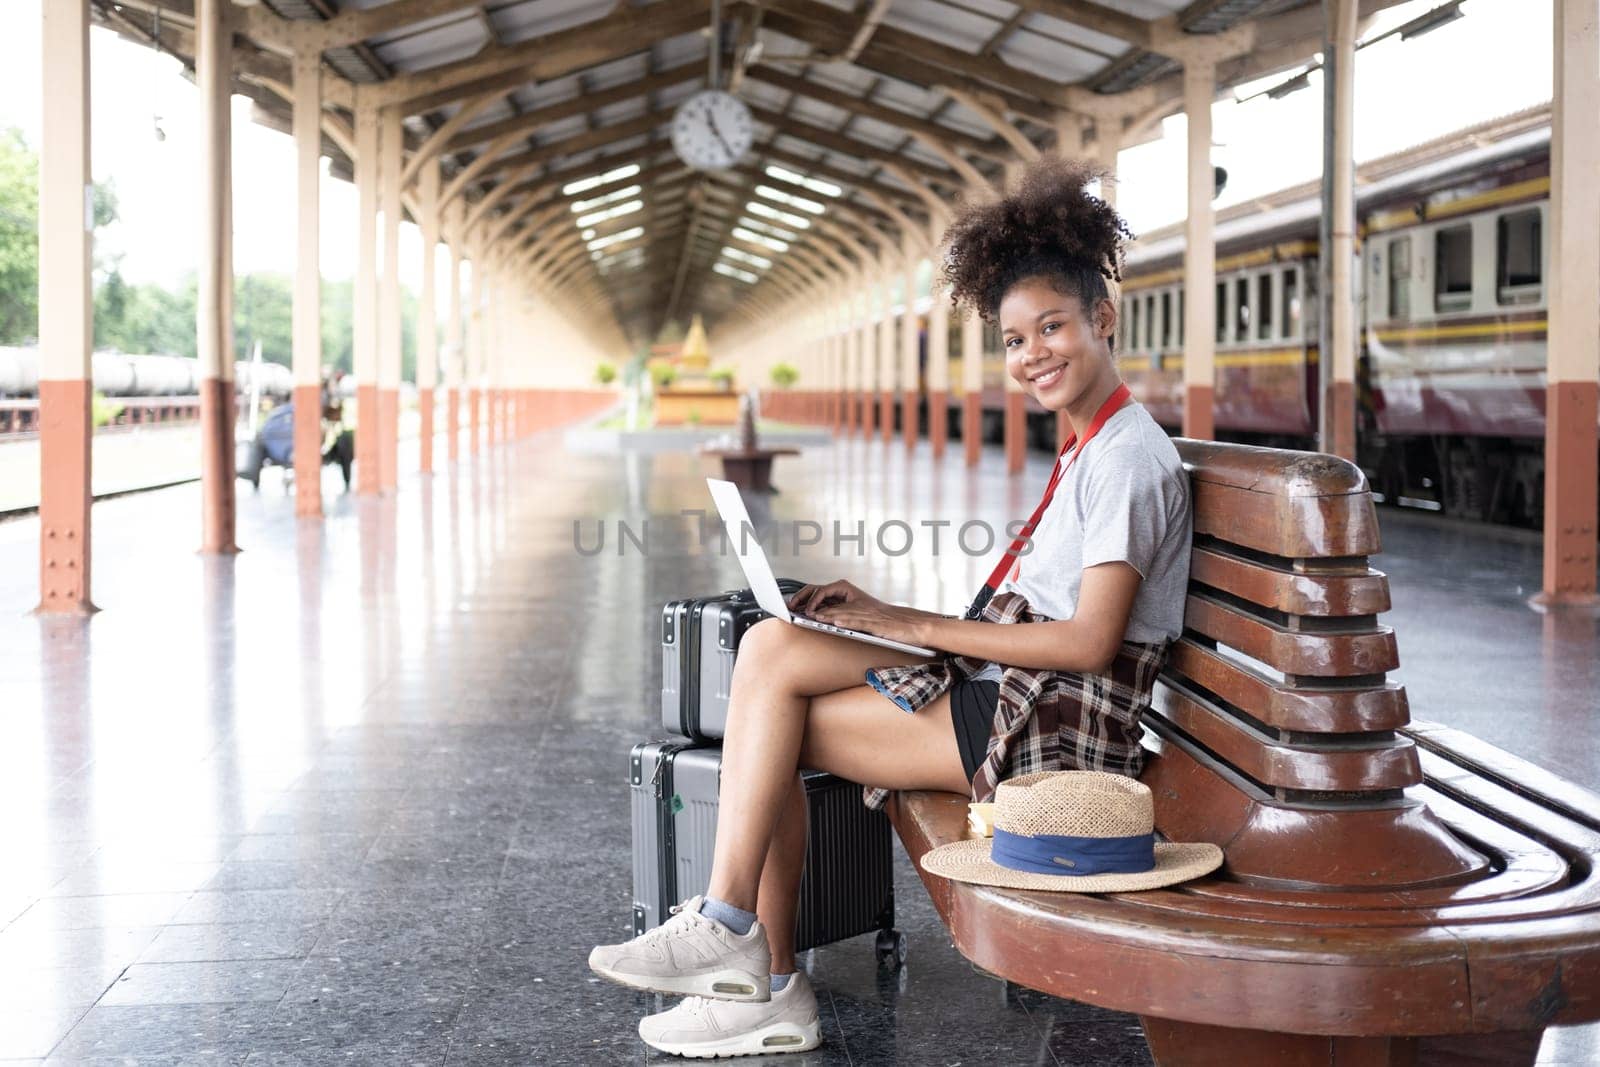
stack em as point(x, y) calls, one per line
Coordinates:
point(711, 130)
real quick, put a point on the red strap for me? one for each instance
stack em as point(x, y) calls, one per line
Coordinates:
point(1113, 403)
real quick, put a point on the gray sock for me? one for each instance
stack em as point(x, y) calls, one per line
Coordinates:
point(736, 919)
point(780, 982)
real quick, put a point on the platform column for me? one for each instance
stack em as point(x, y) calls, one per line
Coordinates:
point(473, 359)
point(364, 299)
point(887, 357)
point(857, 340)
point(1107, 143)
point(1572, 402)
point(847, 379)
point(389, 313)
point(910, 423)
point(455, 343)
point(1070, 143)
point(938, 370)
point(1199, 258)
point(1336, 413)
point(66, 317)
point(427, 316)
point(971, 386)
point(214, 317)
point(307, 309)
point(869, 366)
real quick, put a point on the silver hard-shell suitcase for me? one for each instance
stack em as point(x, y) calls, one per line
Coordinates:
point(847, 887)
point(699, 638)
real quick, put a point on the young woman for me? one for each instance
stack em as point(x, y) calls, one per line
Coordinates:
point(1100, 590)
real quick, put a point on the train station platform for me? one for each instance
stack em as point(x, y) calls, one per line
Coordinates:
point(358, 794)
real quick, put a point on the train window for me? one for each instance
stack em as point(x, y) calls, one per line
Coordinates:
point(1291, 305)
point(1133, 323)
point(1264, 306)
point(1241, 307)
point(1166, 320)
point(1222, 312)
point(1452, 268)
point(1150, 322)
point(1180, 318)
point(1400, 278)
point(1519, 257)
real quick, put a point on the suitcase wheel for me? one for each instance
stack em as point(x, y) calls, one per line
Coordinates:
point(891, 949)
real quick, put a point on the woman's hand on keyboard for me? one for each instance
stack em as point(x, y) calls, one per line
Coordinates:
point(813, 599)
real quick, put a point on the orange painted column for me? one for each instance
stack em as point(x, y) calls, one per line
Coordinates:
point(1572, 404)
point(1016, 430)
point(425, 428)
point(214, 295)
point(452, 422)
point(972, 428)
point(938, 423)
point(66, 325)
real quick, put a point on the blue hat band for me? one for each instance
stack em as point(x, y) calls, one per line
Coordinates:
point(1072, 857)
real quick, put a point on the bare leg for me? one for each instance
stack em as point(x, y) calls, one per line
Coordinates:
point(780, 668)
point(779, 900)
point(851, 731)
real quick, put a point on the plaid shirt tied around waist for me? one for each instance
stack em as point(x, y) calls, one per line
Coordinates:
point(1045, 720)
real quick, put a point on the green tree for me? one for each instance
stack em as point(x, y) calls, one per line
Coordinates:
point(263, 310)
point(19, 239)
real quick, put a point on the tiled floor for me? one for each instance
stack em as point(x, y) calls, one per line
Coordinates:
point(358, 795)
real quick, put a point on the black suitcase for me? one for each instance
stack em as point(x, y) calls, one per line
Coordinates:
point(699, 637)
point(847, 887)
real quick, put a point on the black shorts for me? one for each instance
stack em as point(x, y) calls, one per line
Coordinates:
point(972, 706)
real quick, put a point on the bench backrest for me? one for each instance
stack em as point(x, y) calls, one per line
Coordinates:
point(1275, 721)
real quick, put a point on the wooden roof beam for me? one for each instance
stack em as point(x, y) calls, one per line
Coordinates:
point(955, 139)
point(532, 121)
point(850, 146)
point(621, 33)
point(912, 58)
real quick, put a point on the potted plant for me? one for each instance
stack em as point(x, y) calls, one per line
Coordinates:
point(722, 378)
point(662, 375)
point(784, 375)
point(605, 373)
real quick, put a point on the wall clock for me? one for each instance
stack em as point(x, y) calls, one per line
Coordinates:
point(711, 130)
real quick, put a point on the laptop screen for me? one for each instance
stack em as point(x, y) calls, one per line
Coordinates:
point(752, 557)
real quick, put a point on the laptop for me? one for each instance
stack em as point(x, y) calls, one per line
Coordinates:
point(758, 572)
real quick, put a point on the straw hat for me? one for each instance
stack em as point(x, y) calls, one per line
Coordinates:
point(1075, 832)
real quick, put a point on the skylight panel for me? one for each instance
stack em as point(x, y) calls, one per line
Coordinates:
point(616, 238)
point(816, 185)
point(727, 270)
point(760, 239)
point(610, 213)
point(580, 206)
point(749, 258)
point(585, 184)
point(768, 228)
point(789, 199)
point(756, 207)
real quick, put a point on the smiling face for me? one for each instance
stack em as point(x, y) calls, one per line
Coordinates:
point(1054, 349)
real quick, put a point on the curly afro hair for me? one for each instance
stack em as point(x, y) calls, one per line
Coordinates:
point(1049, 227)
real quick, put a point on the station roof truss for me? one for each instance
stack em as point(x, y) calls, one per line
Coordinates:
point(871, 117)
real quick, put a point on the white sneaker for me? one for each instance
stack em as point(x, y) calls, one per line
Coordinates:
point(691, 954)
point(706, 1029)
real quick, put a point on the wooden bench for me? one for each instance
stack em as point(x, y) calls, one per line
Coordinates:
point(1394, 892)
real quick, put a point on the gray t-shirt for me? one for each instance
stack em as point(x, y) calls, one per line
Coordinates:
point(1125, 500)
